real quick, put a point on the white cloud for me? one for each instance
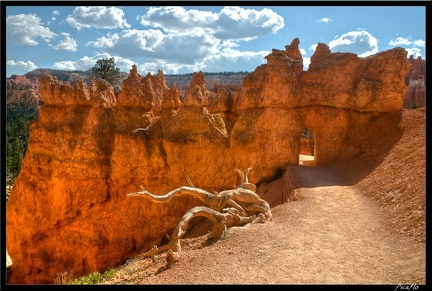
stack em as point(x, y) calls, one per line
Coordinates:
point(229, 43)
point(183, 40)
point(25, 29)
point(125, 65)
point(83, 64)
point(302, 51)
point(167, 68)
point(28, 66)
point(400, 41)
point(360, 42)
point(231, 60)
point(67, 44)
point(325, 20)
point(98, 17)
point(238, 23)
point(185, 49)
point(306, 63)
point(176, 19)
point(419, 42)
point(407, 41)
point(313, 47)
point(229, 23)
point(188, 36)
point(56, 12)
point(130, 43)
point(228, 60)
point(64, 65)
point(86, 63)
point(415, 52)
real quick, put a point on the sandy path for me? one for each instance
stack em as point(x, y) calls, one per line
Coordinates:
point(343, 238)
point(334, 235)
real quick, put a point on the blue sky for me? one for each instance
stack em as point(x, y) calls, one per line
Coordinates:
point(186, 39)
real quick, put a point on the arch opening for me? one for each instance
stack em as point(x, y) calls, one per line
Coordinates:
point(307, 148)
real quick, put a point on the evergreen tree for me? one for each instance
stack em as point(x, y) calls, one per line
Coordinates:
point(106, 69)
point(18, 116)
point(15, 158)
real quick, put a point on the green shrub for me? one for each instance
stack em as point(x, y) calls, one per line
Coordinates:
point(413, 106)
point(93, 278)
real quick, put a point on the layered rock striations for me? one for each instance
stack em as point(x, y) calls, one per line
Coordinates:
point(415, 95)
point(89, 149)
point(418, 68)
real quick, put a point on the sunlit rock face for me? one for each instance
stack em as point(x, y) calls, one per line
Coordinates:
point(90, 148)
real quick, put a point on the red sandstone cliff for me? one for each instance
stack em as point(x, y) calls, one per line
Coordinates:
point(88, 150)
point(418, 68)
point(415, 95)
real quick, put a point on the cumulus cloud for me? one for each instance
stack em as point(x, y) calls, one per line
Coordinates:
point(407, 41)
point(56, 12)
point(189, 36)
point(358, 42)
point(400, 41)
point(26, 28)
point(313, 47)
point(230, 60)
point(411, 46)
point(415, 52)
point(67, 43)
point(97, 17)
point(325, 20)
point(130, 43)
point(86, 63)
point(229, 43)
point(28, 66)
point(167, 68)
point(306, 63)
point(230, 23)
point(419, 42)
point(65, 65)
point(238, 23)
point(176, 19)
point(227, 60)
point(186, 49)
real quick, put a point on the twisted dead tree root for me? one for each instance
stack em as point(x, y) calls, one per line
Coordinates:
point(225, 209)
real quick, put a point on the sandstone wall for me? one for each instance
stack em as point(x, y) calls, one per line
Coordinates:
point(90, 148)
point(415, 95)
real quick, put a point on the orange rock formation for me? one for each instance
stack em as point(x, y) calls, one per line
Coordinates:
point(69, 209)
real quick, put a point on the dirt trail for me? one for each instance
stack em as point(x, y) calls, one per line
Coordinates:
point(333, 235)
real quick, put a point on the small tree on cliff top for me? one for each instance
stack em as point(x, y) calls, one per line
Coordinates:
point(107, 70)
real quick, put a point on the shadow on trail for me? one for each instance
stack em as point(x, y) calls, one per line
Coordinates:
point(310, 177)
point(282, 190)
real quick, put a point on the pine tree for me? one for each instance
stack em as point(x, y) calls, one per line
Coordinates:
point(18, 116)
point(106, 69)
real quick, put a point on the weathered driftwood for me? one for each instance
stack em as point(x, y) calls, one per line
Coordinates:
point(225, 209)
